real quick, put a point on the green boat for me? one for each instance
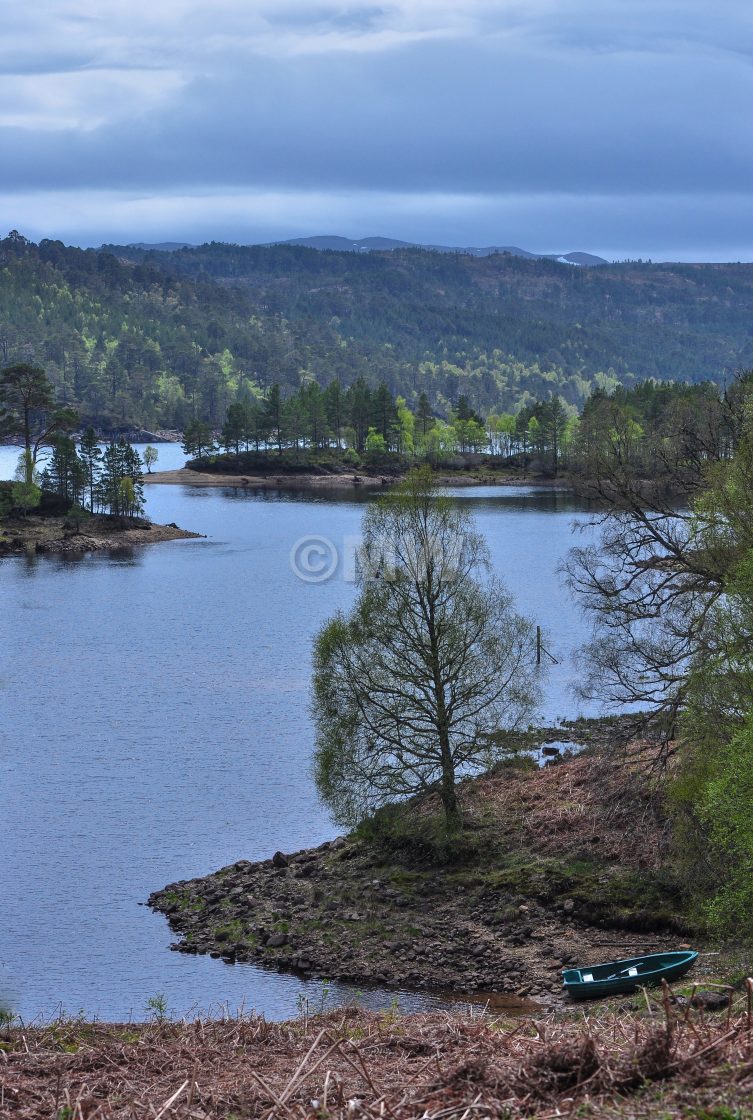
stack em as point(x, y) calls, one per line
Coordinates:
point(598, 980)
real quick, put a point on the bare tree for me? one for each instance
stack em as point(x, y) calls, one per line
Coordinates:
point(676, 517)
point(409, 686)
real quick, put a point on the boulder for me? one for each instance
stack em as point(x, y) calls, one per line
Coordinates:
point(712, 1001)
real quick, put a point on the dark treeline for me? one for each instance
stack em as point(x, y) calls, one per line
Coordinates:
point(155, 340)
point(371, 422)
point(98, 479)
point(655, 430)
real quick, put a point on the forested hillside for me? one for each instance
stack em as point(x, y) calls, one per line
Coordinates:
point(136, 336)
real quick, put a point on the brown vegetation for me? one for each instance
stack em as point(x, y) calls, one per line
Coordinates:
point(350, 1063)
point(554, 867)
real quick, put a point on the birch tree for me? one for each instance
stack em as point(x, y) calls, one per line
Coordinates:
point(411, 683)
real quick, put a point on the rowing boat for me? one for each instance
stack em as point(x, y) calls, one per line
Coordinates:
point(616, 977)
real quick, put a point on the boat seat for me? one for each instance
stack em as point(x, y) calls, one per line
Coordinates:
point(587, 976)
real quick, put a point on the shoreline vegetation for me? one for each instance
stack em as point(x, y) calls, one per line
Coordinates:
point(343, 469)
point(651, 1060)
point(548, 873)
point(307, 480)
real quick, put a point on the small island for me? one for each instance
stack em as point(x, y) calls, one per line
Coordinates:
point(70, 495)
point(65, 535)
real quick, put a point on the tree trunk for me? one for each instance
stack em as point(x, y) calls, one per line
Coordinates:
point(448, 794)
point(28, 459)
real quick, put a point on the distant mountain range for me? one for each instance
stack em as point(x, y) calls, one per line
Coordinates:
point(339, 244)
point(380, 244)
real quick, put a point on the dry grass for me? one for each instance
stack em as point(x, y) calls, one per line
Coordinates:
point(597, 802)
point(352, 1063)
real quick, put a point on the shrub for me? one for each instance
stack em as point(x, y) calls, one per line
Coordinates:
point(726, 811)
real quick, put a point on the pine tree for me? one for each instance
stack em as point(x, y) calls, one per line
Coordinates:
point(121, 490)
point(335, 404)
point(273, 416)
point(90, 454)
point(235, 427)
point(424, 415)
point(65, 473)
point(198, 439)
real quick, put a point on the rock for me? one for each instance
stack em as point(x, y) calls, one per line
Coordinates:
point(568, 905)
point(277, 940)
point(279, 860)
point(711, 1001)
point(550, 752)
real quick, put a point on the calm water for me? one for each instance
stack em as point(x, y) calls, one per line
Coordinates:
point(154, 726)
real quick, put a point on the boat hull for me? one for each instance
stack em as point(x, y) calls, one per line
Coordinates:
point(625, 976)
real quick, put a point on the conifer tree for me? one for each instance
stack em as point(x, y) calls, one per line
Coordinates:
point(90, 454)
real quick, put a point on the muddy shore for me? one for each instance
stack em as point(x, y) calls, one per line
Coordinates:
point(552, 876)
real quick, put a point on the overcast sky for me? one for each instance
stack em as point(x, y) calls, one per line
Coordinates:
point(622, 127)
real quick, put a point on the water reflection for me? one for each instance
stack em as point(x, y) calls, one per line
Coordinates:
point(154, 726)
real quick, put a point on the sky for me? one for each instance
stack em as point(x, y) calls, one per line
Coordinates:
point(618, 127)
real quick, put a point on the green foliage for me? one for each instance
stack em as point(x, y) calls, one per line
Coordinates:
point(119, 489)
point(671, 588)
point(134, 336)
point(28, 410)
point(75, 517)
point(67, 473)
point(375, 442)
point(157, 1007)
point(725, 810)
point(25, 496)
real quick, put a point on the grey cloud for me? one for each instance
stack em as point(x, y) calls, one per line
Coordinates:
point(341, 18)
point(435, 117)
point(565, 101)
point(51, 62)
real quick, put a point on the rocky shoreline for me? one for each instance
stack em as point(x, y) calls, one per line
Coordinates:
point(51, 535)
point(507, 921)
